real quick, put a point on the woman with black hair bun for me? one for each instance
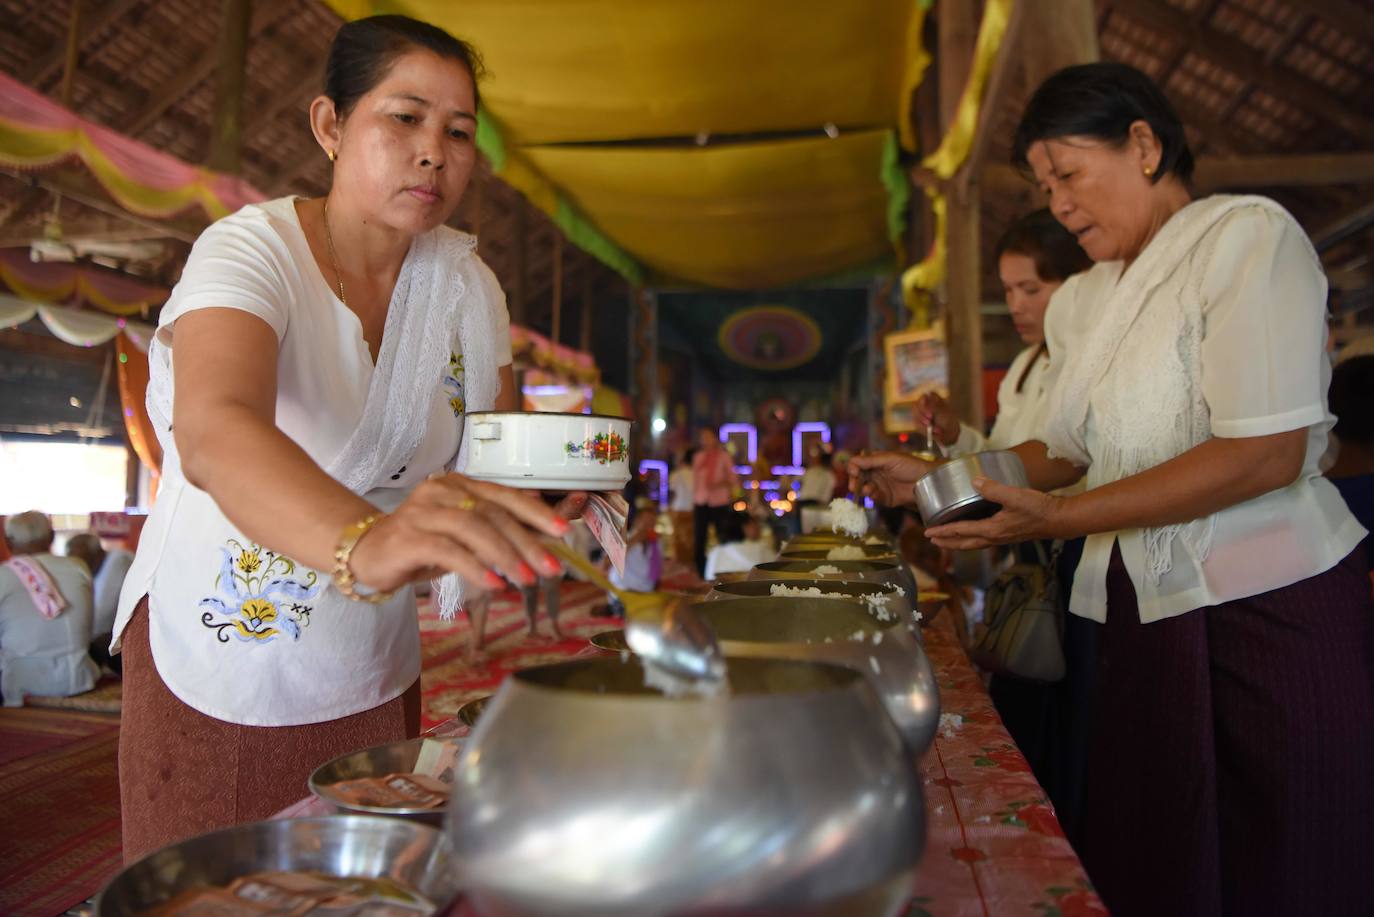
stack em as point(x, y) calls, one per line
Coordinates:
point(1233, 723)
point(318, 358)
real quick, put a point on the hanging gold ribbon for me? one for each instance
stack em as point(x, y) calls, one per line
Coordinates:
point(920, 279)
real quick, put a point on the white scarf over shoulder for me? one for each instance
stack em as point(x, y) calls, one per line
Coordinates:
point(442, 297)
point(1141, 426)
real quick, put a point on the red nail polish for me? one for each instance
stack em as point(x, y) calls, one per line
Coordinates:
point(493, 581)
point(562, 526)
point(527, 574)
point(551, 565)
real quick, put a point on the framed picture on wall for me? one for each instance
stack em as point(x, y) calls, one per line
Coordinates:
point(917, 363)
point(899, 417)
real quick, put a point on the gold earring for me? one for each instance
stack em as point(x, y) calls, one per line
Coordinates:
point(333, 156)
point(1149, 170)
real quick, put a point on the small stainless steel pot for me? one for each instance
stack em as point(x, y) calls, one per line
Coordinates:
point(946, 494)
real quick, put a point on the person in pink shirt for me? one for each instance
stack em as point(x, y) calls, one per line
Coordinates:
point(714, 483)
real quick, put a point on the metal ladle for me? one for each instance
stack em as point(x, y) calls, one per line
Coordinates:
point(660, 627)
point(932, 452)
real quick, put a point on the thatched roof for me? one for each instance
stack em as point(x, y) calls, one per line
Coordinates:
point(1250, 77)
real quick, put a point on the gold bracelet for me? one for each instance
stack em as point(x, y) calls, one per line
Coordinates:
point(343, 553)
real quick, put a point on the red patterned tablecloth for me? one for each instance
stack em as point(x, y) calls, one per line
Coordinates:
point(994, 846)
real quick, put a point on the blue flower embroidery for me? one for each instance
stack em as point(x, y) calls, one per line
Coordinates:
point(261, 596)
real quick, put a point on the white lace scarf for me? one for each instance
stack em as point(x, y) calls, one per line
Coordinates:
point(1143, 424)
point(434, 307)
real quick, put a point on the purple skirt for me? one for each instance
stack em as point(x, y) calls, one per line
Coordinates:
point(1231, 761)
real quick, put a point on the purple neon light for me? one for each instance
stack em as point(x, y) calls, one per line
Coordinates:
point(808, 426)
point(647, 465)
point(747, 428)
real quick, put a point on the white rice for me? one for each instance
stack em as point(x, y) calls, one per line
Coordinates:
point(949, 724)
point(877, 602)
point(877, 637)
point(846, 552)
point(797, 592)
point(826, 570)
point(860, 635)
point(848, 517)
point(873, 664)
point(674, 685)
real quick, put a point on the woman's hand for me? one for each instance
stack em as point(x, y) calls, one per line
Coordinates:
point(887, 477)
point(453, 523)
point(1026, 515)
point(934, 412)
point(573, 505)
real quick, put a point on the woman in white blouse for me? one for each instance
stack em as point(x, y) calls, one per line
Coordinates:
point(309, 380)
point(1233, 726)
point(1034, 258)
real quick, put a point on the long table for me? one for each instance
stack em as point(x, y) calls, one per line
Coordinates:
point(993, 846)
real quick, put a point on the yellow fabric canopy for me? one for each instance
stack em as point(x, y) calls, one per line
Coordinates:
point(565, 71)
point(735, 216)
point(589, 106)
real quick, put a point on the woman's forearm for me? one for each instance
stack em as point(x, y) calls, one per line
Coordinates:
point(267, 486)
point(1045, 473)
point(1210, 477)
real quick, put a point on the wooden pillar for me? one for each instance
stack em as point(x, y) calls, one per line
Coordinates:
point(520, 276)
point(958, 32)
point(1057, 34)
point(72, 52)
point(557, 322)
point(226, 122)
point(584, 338)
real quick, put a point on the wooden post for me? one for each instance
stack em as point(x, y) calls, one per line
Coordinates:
point(584, 338)
point(1056, 34)
point(520, 276)
point(557, 326)
point(73, 49)
point(226, 123)
point(958, 32)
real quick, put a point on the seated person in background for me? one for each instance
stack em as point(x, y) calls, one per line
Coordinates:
point(45, 616)
point(643, 555)
point(742, 546)
point(1351, 399)
point(108, 569)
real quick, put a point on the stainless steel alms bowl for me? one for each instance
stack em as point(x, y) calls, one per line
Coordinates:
point(887, 652)
point(866, 571)
point(946, 493)
point(884, 567)
point(469, 713)
point(582, 792)
point(611, 641)
point(831, 539)
point(819, 553)
point(378, 761)
point(762, 588)
point(352, 846)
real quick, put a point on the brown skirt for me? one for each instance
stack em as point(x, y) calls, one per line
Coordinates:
point(182, 773)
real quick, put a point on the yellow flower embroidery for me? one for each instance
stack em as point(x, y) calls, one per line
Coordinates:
point(254, 614)
point(261, 595)
point(453, 384)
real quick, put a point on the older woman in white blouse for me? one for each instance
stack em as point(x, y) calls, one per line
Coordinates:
point(1233, 742)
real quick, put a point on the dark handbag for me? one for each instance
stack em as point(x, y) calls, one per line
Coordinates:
point(1022, 634)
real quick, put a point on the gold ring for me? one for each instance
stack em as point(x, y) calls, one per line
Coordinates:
point(467, 504)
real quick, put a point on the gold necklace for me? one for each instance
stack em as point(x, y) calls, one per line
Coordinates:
point(333, 259)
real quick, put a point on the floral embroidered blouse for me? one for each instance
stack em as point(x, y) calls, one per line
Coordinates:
point(238, 631)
